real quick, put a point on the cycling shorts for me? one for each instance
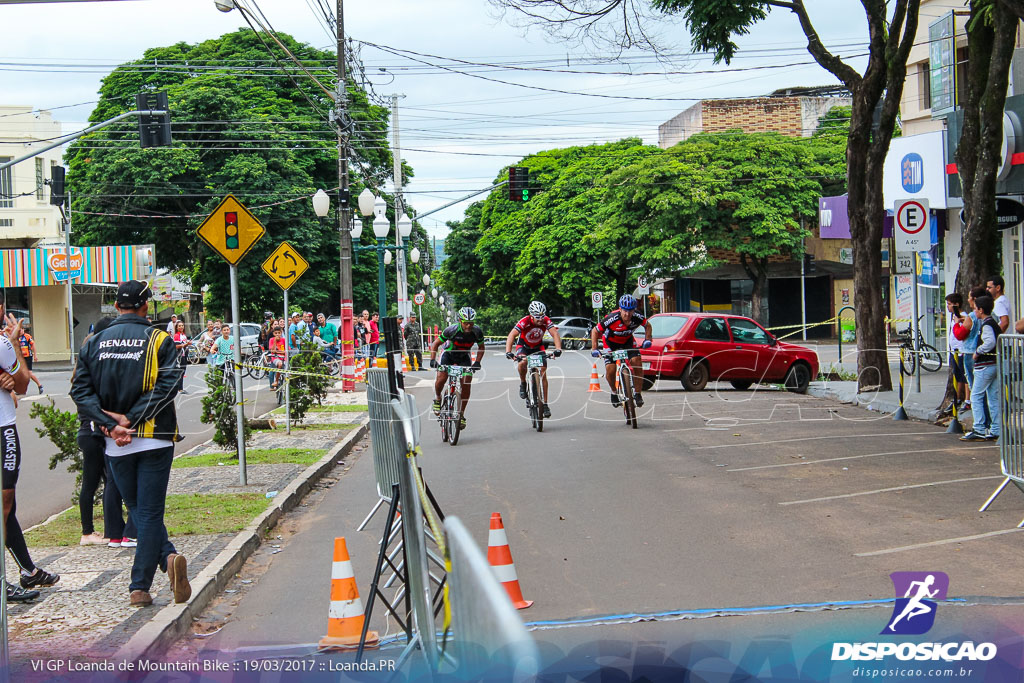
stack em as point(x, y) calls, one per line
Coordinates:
point(10, 452)
point(524, 350)
point(456, 358)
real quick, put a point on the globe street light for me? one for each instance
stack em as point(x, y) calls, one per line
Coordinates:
point(426, 280)
point(370, 205)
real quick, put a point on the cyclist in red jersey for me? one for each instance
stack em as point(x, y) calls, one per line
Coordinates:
point(616, 332)
point(530, 331)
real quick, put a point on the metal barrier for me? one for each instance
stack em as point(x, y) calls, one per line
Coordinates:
point(388, 454)
point(1010, 361)
point(489, 635)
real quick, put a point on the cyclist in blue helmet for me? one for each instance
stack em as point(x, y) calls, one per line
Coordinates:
point(616, 332)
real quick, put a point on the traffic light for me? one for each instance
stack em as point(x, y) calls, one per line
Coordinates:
point(154, 131)
point(230, 230)
point(518, 184)
point(57, 196)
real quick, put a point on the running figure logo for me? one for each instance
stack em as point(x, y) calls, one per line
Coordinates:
point(914, 613)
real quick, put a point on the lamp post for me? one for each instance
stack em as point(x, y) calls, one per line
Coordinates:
point(369, 205)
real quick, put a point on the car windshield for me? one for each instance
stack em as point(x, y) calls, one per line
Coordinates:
point(667, 325)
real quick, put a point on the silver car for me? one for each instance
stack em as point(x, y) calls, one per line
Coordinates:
point(574, 331)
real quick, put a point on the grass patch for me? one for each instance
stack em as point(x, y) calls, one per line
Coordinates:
point(312, 427)
point(257, 456)
point(186, 514)
point(358, 408)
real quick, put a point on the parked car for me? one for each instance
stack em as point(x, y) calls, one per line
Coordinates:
point(696, 348)
point(574, 331)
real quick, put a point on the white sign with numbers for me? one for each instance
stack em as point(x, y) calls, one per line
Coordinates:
point(597, 299)
point(904, 264)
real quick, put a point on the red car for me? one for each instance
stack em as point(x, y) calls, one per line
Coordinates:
point(696, 348)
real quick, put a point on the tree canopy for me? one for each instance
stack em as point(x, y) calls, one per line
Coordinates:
point(239, 128)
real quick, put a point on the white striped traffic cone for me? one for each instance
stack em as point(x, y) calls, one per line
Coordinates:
point(500, 557)
point(345, 618)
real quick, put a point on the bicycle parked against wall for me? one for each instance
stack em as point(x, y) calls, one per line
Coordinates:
point(930, 358)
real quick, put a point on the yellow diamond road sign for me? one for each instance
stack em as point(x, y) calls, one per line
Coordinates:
point(285, 266)
point(231, 230)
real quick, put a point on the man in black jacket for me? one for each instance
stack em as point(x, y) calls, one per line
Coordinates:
point(125, 382)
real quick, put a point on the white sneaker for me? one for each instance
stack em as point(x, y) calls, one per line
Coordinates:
point(128, 542)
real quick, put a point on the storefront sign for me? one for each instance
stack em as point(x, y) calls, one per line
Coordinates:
point(915, 168)
point(904, 309)
point(57, 263)
point(34, 267)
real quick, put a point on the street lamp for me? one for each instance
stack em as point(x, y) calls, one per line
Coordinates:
point(426, 281)
point(369, 205)
point(433, 292)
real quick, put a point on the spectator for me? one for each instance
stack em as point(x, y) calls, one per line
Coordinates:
point(414, 342)
point(131, 399)
point(359, 332)
point(374, 334)
point(116, 533)
point(985, 391)
point(298, 331)
point(955, 346)
point(28, 353)
point(15, 380)
point(181, 343)
point(400, 319)
point(266, 330)
point(330, 350)
point(172, 326)
point(328, 331)
point(208, 336)
point(223, 348)
point(311, 325)
point(277, 350)
point(1001, 304)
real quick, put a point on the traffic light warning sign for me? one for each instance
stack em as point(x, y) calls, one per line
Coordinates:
point(230, 230)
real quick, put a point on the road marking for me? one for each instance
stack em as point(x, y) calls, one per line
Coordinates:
point(929, 544)
point(815, 438)
point(853, 457)
point(894, 488)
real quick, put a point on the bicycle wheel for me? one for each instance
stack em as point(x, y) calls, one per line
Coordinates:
point(456, 416)
point(908, 360)
point(443, 417)
point(931, 359)
point(192, 355)
point(536, 401)
point(259, 368)
point(626, 394)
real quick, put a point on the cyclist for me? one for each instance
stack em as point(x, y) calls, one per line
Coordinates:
point(616, 331)
point(266, 330)
point(457, 339)
point(530, 331)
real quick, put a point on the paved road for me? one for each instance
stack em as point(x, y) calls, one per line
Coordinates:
point(721, 499)
point(42, 492)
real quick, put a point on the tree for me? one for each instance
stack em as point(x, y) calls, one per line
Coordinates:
point(740, 193)
point(876, 95)
point(238, 128)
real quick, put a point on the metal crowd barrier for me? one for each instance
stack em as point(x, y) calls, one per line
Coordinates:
point(488, 635)
point(1010, 361)
point(388, 453)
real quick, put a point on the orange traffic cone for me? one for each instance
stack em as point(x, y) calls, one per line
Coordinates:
point(500, 557)
point(345, 618)
point(405, 365)
point(595, 383)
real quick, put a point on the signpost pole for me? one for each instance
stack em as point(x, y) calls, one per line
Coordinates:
point(237, 356)
point(287, 376)
point(67, 269)
point(803, 290)
point(915, 332)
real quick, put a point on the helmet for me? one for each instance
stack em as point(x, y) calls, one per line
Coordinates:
point(537, 309)
point(466, 313)
point(627, 302)
point(268, 315)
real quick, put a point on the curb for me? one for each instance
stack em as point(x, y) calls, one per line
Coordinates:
point(878, 405)
point(171, 622)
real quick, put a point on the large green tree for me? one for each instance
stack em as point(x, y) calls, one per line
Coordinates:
point(744, 194)
point(713, 25)
point(241, 126)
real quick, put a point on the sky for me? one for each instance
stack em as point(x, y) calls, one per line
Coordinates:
point(457, 130)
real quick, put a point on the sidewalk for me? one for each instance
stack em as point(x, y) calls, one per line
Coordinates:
point(86, 615)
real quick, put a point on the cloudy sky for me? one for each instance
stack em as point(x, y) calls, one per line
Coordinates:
point(457, 129)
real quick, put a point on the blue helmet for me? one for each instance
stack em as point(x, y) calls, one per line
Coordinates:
point(627, 302)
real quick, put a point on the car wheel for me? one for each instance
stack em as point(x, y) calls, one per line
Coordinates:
point(741, 384)
point(798, 378)
point(695, 376)
point(648, 383)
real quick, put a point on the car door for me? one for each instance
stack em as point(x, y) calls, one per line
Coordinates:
point(711, 341)
point(752, 350)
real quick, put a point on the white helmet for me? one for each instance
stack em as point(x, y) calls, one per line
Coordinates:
point(537, 309)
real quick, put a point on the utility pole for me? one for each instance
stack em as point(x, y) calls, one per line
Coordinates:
point(399, 211)
point(341, 120)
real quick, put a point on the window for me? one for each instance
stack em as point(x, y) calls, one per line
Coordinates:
point(924, 79)
point(711, 329)
point(747, 332)
point(6, 188)
point(39, 178)
point(667, 325)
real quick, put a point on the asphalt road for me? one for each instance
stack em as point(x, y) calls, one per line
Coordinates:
point(720, 499)
point(43, 492)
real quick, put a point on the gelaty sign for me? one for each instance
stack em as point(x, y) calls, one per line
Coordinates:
point(56, 261)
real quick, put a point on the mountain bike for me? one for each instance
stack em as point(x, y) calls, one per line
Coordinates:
point(624, 382)
point(931, 359)
point(450, 416)
point(257, 365)
point(535, 398)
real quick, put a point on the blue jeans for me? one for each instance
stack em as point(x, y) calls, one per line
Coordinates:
point(969, 368)
point(142, 479)
point(985, 392)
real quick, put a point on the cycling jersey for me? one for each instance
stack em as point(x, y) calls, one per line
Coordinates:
point(454, 338)
point(10, 362)
point(531, 332)
point(616, 333)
